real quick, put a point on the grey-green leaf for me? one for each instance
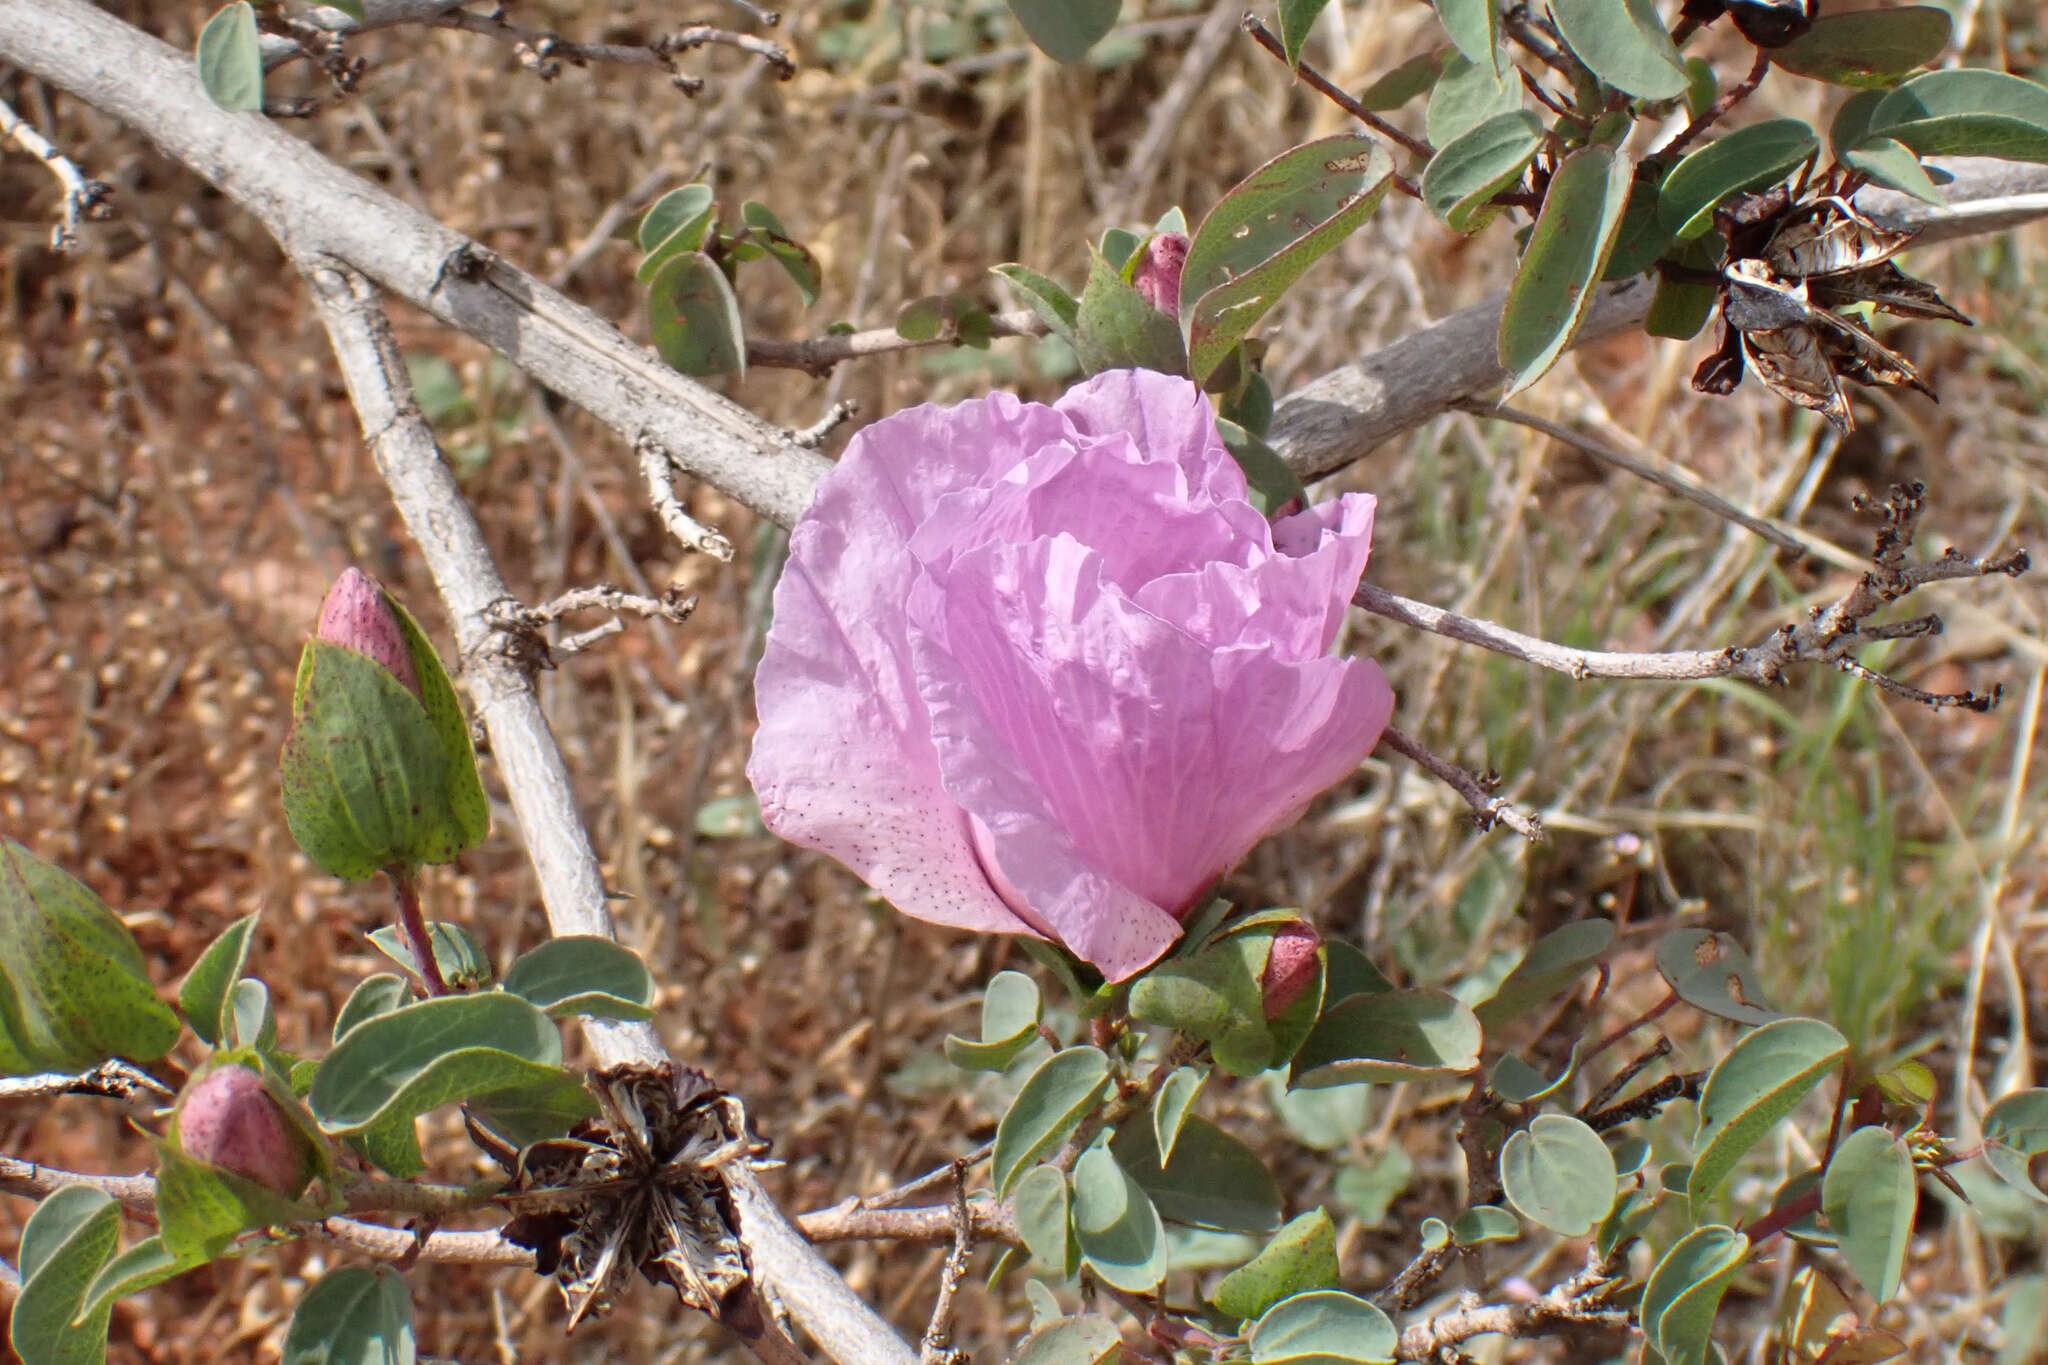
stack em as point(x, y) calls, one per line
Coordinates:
point(1486, 159)
point(1465, 96)
point(1623, 44)
point(2015, 1133)
point(1891, 163)
point(1114, 328)
point(1326, 1327)
point(1064, 30)
point(1867, 48)
point(425, 1055)
point(230, 59)
point(376, 994)
point(1749, 158)
point(1071, 1341)
point(1551, 966)
point(1484, 1223)
point(1046, 1111)
point(1040, 1204)
point(72, 1233)
point(356, 1315)
point(1296, 18)
point(1473, 27)
point(1567, 253)
point(460, 957)
point(1710, 972)
point(1212, 1180)
point(584, 974)
point(1869, 1195)
point(1967, 111)
point(694, 318)
point(1559, 1173)
point(1389, 1036)
point(1171, 1105)
point(1055, 307)
point(1115, 1226)
point(1684, 1292)
point(1760, 1080)
point(204, 992)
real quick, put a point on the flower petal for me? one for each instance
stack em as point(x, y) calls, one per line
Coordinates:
point(1163, 414)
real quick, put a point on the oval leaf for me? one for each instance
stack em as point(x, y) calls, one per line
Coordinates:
point(1212, 1180)
point(1115, 1226)
point(204, 992)
point(1710, 972)
point(73, 981)
point(1761, 1080)
point(1071, 1341)
point(2016, 1132)
point(1388, 1036)
point(1047, 1111)
point(1484, 1223)
point(1170, 1107)
point(1473, 27)
point(694, 318)
point(1064, 30)
point(1465, 96)
point(1551, 966)
point(1487, 159)
point(1559, 1173)
point(377, 994)
point(1747, 159)
point(1623, 44)
point(1894, 165)
point(353, 1316)
point(1040, 1205)
point(73, 1232)
point(1269, 228)
point(1684, 1291)
point(1575, 232)
point(1868, 47)
point(1967, 112)
point(1870, 1196)
point(429, 1054)
point(583, 974)
point(1324, 1326)
point(230, 59)
point(1301, 1257)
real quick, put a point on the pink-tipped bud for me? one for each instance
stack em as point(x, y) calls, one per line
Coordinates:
point(356, 616)
point(227, 1119)
point(1157, 278)
point(1290, 967)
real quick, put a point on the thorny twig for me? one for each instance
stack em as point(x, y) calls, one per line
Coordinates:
point(523, 625)
point(1620, 1079)
point(1648, 1102)
point(1477, 789)
point(83, 197)
point(1829, 635)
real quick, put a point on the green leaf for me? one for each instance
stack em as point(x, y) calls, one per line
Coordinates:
point(1624, 45)
point(467, 818)
point(544, 1106)
point(1413, 77)
point(251, 1022)
point(230, 59)
point(202, 1209)
point(1473, 27)
point(74, 990)
point(1270, 483)
point(583, 974)
point(1211, 1181)
point(1071, 1341)
point(1296, 18)
point(1484, 1223)
point(1642, 238)
point(1347, 971)
point(922, 319)
point(354, 1316)
point(1851, 123)
point(460, 957)
point(795, 259)
point(1553, 964)
point(2015, 1133)
point(1171, 1105)
point(1710, 972)
point(432, 1053)
point(1870, 1196)
point(1054, 1100)
point(1010, 1011)
point(1466, 95)
point(1517, 1082)
point(1683, 1292)
point(1868, 47)
point(1389, 1036)
point(1968, 112)
point(1567, 253)
point(694, 318)
point(1040, 1205)
point(1265, 232)
point(678, 222)
point(1326, 1119)
point(1490, 157)
point(1115, 1226)
point(1747, 159)
point(1624, 1223)
point(1055, 307)
point(376, 994)
point(1761, 1080)
point(1302, 1256)
point(1064, 30)
point(72, 1233)
point(1557, 1172)
point(1214, 995)
point(1893, 164)
point(203, 995)
point(146, 1264)
point(1325, 1327)
point(1680, 308)
point(1114, 328)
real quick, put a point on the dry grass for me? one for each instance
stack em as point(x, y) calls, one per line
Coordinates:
point(180, 476)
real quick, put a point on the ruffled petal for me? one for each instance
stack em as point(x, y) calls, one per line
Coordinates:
point(1165, 416)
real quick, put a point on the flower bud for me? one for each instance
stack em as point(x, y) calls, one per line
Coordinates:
point(1290, 967)
point(1157, 278)
point(356, 616)
point(228, 1119)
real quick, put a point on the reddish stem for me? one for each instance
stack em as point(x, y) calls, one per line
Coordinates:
point(413, 925)
point(1782, 1217)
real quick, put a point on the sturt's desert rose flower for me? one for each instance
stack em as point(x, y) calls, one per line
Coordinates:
point(228, 1119)
point(1044, 670)
point(356, 616)
point(1157, 278)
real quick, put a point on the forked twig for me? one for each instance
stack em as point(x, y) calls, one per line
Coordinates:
point(1487, 808)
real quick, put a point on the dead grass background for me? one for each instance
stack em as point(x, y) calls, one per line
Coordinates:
point(181, 475)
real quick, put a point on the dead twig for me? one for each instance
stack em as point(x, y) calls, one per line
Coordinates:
point(816, 356)
point(1322, 85)
point(937, 1347)
point(1477, 789)
point(659, 471)
point(83, 197)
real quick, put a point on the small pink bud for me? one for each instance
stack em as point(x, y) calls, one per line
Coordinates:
point(1290, 966)
point(1157, 278)
point(356, 616)
point(227, 1119)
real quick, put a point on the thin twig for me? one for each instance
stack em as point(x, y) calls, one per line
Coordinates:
point(545, 52)
point(114, 1079)
point(1670, 480)
point(847, 1221)
point(1322, 85)
point(1715, 112)
point(816, 356)
point(813, 436)
point(937, 1347)
point(659, 472)
point(83, 198)
point(1487, 808)
point(1577, 1302)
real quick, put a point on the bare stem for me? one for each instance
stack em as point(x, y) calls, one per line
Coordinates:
point(83, 198)
point(413, 925)
point(1322, 85)
point(1487, 808)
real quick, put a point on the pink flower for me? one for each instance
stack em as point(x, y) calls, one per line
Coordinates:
point(1290, 967)
point(229, 1120)
point(356, 616)
point(1157, 278)
point(1043, 670)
